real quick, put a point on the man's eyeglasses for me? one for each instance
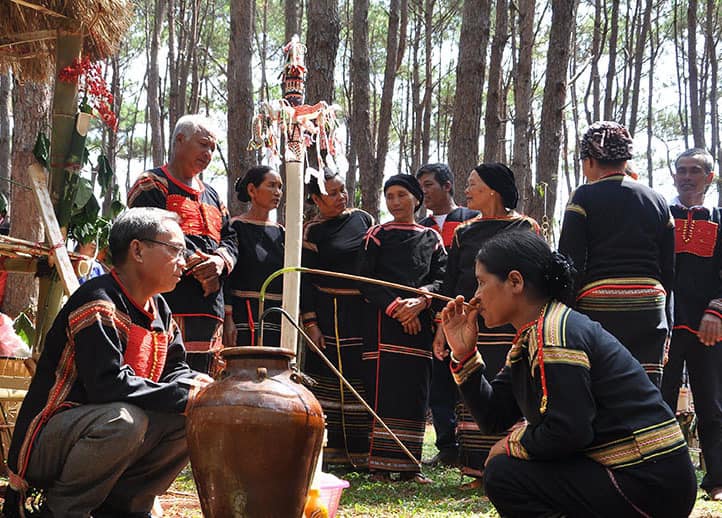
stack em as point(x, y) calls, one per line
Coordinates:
point(179, 250)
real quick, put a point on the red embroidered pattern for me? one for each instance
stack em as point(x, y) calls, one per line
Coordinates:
point(697, 237)
point(146, 351)
point(447, 233)
point(197, 219)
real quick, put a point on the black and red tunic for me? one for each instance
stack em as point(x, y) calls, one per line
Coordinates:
point(453, 219)
point(205, 223)
point(104, 347)
point(697, 286)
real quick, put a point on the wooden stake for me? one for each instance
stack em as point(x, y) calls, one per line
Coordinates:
point(53, 236)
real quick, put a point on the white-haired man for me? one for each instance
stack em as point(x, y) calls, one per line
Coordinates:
point(197, 300)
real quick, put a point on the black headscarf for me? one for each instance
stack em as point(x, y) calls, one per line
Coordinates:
point(408, 182)
point(500, 178)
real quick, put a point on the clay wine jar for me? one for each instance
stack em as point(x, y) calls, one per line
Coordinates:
point(254, 437)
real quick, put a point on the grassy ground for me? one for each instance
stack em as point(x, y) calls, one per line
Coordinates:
point(367, 499)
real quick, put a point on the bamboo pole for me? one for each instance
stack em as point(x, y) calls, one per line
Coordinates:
point(292, 245)
point(65, 106)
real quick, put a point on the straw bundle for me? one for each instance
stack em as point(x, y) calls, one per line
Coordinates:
point(29, 29)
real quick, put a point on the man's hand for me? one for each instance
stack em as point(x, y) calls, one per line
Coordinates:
point(230, 333)
point(439, 344)
point(498, 449)
point(710, 330)
point(208, 272)
point(203, 379)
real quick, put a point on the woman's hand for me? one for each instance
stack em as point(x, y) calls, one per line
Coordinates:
point(315, 334)
point(439, 344)
point(409, 309)
point(412, 327)
point(460, 326)
point(499, 448)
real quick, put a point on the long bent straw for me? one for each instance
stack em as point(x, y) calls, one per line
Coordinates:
point(331, 366)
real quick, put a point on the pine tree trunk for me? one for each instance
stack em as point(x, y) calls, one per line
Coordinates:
point(240, 95)
point(493, 136)
point(521, 162)
point(466, 119)
point(322, 40)
point(31, 117)
point(593, 87)
point(428, 80)
point(711, 45)
point(154, 99)
point(387, 97)
point(695, 107)
point(555, 88)
point(360, 129)
point(638, 62)
point(293, 15)
point(5, 132)
point(611, 68)
point(173, 58)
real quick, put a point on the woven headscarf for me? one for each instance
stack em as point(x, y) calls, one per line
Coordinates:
point(408, 182)
point(608, 141)
point(501, 179)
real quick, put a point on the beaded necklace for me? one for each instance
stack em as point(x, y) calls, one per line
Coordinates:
point(539, 323)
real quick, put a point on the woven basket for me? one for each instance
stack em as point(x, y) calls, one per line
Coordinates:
point(14, 379)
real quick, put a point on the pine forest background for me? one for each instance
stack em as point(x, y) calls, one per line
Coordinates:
point(418, 81)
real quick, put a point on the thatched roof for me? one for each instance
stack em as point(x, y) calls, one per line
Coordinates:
point(29, 29)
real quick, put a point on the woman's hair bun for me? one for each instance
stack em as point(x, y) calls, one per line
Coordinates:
point(559, 275)
point(254, 175)
point(241, 188)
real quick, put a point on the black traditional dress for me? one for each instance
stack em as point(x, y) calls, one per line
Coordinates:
point(598, 439)
point(260, 253)
point(204, 220)
point(620, 236)
point(492, 343)
point(103, 347)
point(698, 292)
point(336, 306)
point(398, 365)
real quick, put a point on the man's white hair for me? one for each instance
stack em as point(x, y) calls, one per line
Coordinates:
point(189, 125)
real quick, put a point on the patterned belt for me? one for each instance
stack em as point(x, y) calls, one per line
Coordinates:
point(255, 295)
point(622, 294)
point(642, 445)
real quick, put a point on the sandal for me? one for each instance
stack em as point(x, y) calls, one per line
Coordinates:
point(715, 494)
point(476, 483)
point(415, 476)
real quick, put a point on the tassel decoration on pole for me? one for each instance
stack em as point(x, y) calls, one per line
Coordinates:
point(284, 129)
